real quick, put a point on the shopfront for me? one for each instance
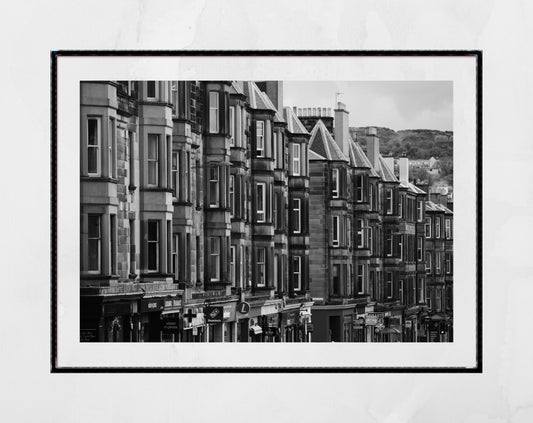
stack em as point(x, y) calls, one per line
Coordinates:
point(193, 324)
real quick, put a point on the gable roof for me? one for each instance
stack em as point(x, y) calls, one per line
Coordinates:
point(358, 157)
point(384, 171)
point(322, 143)
point(257, 99)
point(315, 156)
point(235, 88)
point(294, 125)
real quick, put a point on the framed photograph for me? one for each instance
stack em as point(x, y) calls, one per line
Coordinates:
point(266, 211)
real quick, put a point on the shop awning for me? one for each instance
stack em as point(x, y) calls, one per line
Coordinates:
point(256, 329)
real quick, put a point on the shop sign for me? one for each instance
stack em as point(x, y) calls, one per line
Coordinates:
point(290, 318)
point(270, 309)
point(214, 314)
point(374, 318)
point(209, 294)
point(243, 308)
point(408, 323)
point(118, 309)
point(229, 312)
point(309, 327)
point(359, 323)
point(152, 305)
point(170, 325)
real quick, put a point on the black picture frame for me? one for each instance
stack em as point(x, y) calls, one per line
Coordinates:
point(477, 54)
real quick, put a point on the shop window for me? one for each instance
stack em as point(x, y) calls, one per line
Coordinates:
point(93, 146)
point(94, 237)
point(153, 160)
point(153, 246)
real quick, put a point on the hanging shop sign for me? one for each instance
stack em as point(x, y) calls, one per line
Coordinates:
point(374, 318)
point(290, 318)
point(229, 312)
point(214, 314)
point(243, 308)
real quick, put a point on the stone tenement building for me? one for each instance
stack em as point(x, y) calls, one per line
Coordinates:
point(211, 213)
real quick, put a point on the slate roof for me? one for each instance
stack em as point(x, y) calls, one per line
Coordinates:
point(294, 125)
point(384, 171)
point(431, 206)
point(315, 156)
point(257, 99)
point(358, 157)
point(322, 143)
point(235, 88)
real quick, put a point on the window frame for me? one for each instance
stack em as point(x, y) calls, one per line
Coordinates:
point(232, 126)
point(360, 282)
point(297, 211)
point(175, 174)
point(299, 272)
point(389, 200)
point(153, 243)
point(260, 145)
point(437, 227)
point(359, 188)
point(427, 227)
point(148, 96)
point(231, 193)
point(261, 194)
point(335, 183)
point(98, 239)
point(214, 258)
point(296, 159)
point(360, 233)
point(420, 248)
point(97, 146)
point(261, 267)
point(154, 161)
point(428, 262)
point(335, 239)
point(214, 112)
point(420, 211)
point(214, 186)
point(389, 284)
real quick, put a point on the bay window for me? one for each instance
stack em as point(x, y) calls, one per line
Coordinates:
point(232, 195)
point(232, 126)
point(360, 278)
point(360, 238)
point(261, 266)
point(448, 229)
point(214, 187)
point(389, 284)
point(427, 227)
point(336, 231)
point(389, 201)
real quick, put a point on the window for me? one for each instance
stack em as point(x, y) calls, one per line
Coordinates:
point(296, 215)
point(428, 298)
point(151, 89)
point(400, 246)
point(420, 211)
point(175, 255)
point(420, 248)
point(372, 199)
point(261, 266)
point(232, 195)
point(94, 238)
point(448, 229)
point(389, 239)
point(401, 291)
point(438, 262)
point(360, 278)
point(213, 112)
point(132, 268)
point(241, 267)
point(400, 206)
point(214, 258)
point(131, 157)
point(448, 263)
point(336, 279)
point(175, 174)
point(188, 176)
point(261, 202)
point(336, 231)
point(111, 159)
point(349, 231)
point(113, 242)
point(153, 159)
point(214, 191)
point(438, 299)
point(437, 227)
point(371, 240)
point(297, 273)
point(260, 138)
point(232, 126)
point(372, 286)
point(275, 150)
point(428, 227)
point(428, 262)
point(232, 265)
point(335, 183)
point(359, 187)
point(153, 245)
point(388, 285)
point(296, 159)
point(93, 146)
point(390, 207)
point(421, 294)
point(360, 233)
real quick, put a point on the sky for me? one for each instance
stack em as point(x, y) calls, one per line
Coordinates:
point(396, 105)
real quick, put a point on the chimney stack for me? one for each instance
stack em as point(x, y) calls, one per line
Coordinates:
point(342, 134)
point(404, 169)
point(372, 147)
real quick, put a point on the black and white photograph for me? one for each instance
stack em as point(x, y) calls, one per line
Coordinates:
point(308, 215)
point(266, 211)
